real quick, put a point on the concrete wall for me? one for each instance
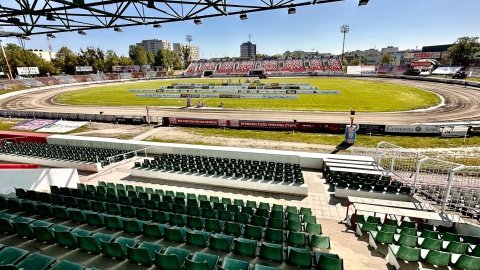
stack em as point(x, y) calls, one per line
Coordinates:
point(228, 182)
point(305, 159)
point(55, 163)
point(37, 179)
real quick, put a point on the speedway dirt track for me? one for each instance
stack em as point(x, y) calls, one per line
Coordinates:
point(459, 104)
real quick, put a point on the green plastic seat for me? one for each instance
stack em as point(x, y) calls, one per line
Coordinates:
point(294, 226)
point(209, 213)
point(405, 253)
point(133, 226)
point(476, 251)
point(194, 211)
point(202, 197)
point(392, 222)
point(407, 240)
point(44, 209)
point(144, 254)
point(197, 238)
point(144, 213)
point(99, 206)
point(275, 223)
point(214, 199)
point(127, 210)
point(252, 204)
point(233, 264)
point(389, 228)
point(219, 206)
point(371, 219)
point(457, 247)
point(69, 238)
point(118, 249)
point(84, 204)
point(206, 205)
point(233, 208)
point(221, 242)
point(36, 261)
point(233, 228)
point(164, 206)
point(305, 211)
point(431, 244)
point(93, 243)
point(172, 259)
point(429, 234)
point(77, 215)
point(29, 207)
point(318, 241)
point(328, 261)
point(120, 186)
point(309, 219)
point(293, 217)
point(296, 238)
point(438, 258)
point(113, 208)
point(258, 221)
point(299, 257)
point(60, 212)
point(113, 222)
point(11, 255)
point(408, 231)
point(45, 234)
point(6, 226)
point(195, 222)
point(382, 237)
point(81, 186)
point(67, 265)
point(138, 202)
point(175, 234)
point(201, 261)
point(368, 226)
point(312, 228)
point(408, 224)
point(245, 247)
point(129, 188)
point(179, 208)
point(468, 262)
point(450, 237)
point(177, 219)
point(91, 188)
point(153, 230)
point(253, 232)
point(262, 212)
point(274, 235)
point(102, 184)
point(271, 252)
point(160, 216)
point(214, 225)
point(238, 202)
point(277, 214)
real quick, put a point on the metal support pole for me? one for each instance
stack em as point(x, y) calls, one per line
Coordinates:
point(393, 161)
point(451, 174)
point(417, 172)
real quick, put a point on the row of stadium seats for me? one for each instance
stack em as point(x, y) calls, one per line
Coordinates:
point(86, 240)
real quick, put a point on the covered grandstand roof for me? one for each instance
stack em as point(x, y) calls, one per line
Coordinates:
point(33, 17)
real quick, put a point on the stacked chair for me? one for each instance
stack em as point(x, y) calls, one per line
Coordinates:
point(260, 170)
point(273, 233)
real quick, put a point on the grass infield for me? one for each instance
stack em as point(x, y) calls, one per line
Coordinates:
point(363, 95)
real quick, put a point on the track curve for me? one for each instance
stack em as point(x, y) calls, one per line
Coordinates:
point(460, 104)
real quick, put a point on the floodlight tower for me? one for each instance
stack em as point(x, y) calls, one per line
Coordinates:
point(344, 29)
point(188, 38)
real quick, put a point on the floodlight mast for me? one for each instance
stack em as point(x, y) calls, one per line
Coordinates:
point(344, 29)
point(189, 39)
point(10, 77)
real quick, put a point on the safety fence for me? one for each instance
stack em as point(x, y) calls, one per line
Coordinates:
point(452, 181)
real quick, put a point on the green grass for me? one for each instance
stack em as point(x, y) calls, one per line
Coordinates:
point(330, 139)
point(363, 95)
point(7, 125)
point(5, 91)
point(474, 79)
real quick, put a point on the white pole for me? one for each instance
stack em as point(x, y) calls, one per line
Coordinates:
point(6, 61)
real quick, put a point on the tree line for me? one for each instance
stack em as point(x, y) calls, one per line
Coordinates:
point(66, 60)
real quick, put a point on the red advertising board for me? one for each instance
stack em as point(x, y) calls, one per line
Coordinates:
point(421, 64)
point(422, 55)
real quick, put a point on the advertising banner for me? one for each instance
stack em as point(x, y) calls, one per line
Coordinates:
point(354, 70)
point(216, 96)
point(368, 69)
point(422, 55)
point(28, 70)
point(421, 64)
point(61, 126)
point(408, 55)
point(193, 121)
point(370, 129)
point(436, 55)
point(264, 124)
point(446, 70)
point(83, 69)
point(454, 132)
point(34, 124)
point(417, 129)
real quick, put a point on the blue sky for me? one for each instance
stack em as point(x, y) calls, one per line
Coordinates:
point(402, 23)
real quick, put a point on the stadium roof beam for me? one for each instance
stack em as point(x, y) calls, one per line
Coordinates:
point(363, 2)
point(35, 17)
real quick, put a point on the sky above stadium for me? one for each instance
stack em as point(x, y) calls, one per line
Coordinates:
point(406, 24)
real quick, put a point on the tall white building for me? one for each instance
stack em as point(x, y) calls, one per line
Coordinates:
point(389, 49)
point(45, 55)
point(153, 45)
point(195, 50)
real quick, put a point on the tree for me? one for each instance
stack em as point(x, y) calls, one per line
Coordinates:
point(462, 52)
point(111, 60)
point(296, 54)
point(18, 57)
point(387, 59)
point(345, 63)
point(186, 55)
point(124, 61)
point(138, 55)
point(161, 59)
point(277, 56)
point(94, 57)
point(65, 60)
point(355, 62)
point(363, 60)
point(150, 58)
